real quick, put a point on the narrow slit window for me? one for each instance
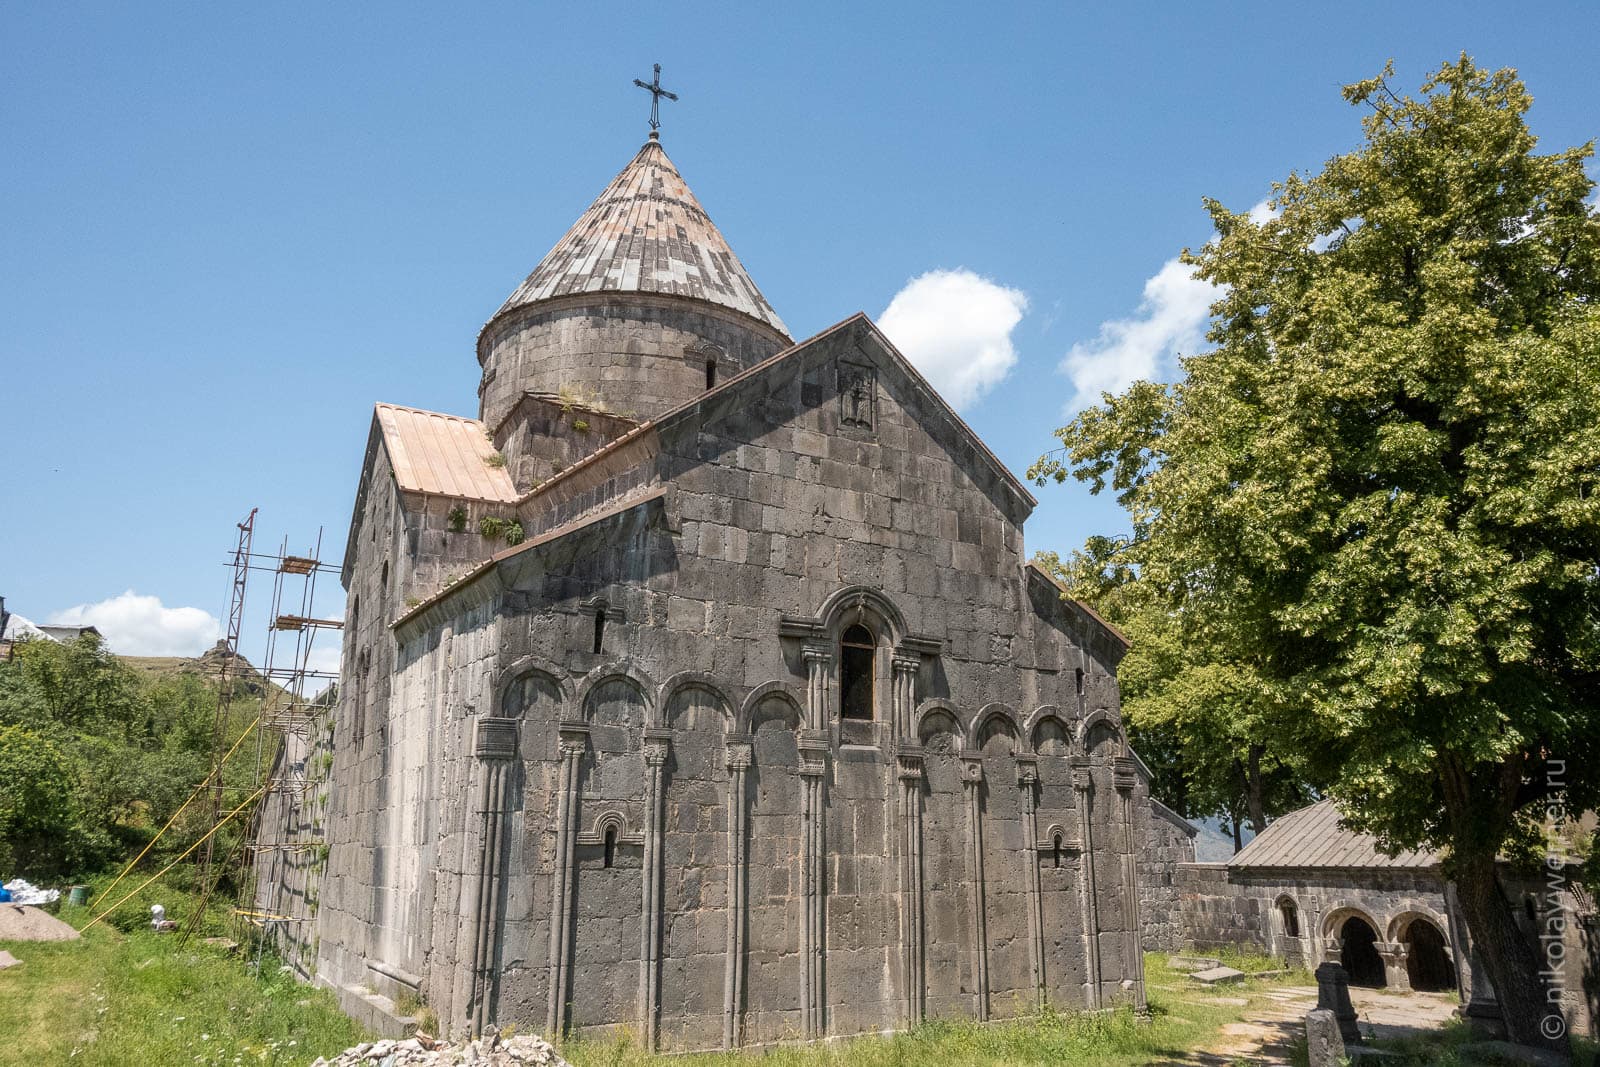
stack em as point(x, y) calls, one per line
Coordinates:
point(1079, 676)
point(610, 856)
point(1058, 850)
point(599, 630)
point(856, 652)
point(711, 373)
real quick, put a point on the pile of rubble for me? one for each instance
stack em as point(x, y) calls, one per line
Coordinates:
point(490, 1051)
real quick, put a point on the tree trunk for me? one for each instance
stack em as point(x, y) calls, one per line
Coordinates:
point(1505, 953)
point(1479, 809)
point(1254, 790)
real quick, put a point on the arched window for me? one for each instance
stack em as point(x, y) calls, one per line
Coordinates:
point(599, 629)
point(610, 855)
point(1291, 917)
point(856, 650)
point(711, 373)
point(1058, 850)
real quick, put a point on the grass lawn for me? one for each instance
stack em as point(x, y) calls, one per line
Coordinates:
point(1184, 1018)
point(117, 999)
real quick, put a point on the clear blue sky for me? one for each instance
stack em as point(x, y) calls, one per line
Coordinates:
point(226, 230)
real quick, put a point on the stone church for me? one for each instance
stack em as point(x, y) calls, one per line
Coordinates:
point(701, 688)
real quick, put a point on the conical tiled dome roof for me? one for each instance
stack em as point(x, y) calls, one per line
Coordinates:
point(647, 234)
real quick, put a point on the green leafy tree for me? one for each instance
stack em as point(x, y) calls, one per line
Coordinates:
point(41, 830)
point(75, 684)
point(1198, 720)
point(132, 748)
point(1379, 494)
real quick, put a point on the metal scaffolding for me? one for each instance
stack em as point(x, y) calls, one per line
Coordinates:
point(284, 853)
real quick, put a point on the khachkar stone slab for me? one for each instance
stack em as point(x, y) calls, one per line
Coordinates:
point(1324, 1043)
point(1333, 994)
point(1215, 975)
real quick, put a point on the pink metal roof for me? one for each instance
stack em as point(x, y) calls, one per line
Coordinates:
point(647, 234)
point(445, 455)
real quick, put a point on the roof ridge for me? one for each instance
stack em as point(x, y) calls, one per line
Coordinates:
point(425, 411)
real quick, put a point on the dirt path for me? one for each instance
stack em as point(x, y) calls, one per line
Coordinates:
point(1276, 1021)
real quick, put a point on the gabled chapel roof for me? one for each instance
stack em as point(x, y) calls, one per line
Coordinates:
point(1312, 837)
point(648, 234)
point(444, 455)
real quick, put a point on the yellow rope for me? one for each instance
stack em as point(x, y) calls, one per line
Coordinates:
point(221, 823)
point(224, 821)
point(203, 783)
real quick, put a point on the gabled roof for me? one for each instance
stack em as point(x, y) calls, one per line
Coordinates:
point(1312, 837)
point(444, 455)
point(647, 234)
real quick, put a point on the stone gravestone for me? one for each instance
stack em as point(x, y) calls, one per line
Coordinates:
point(1324, 1045)
point(1333, 994)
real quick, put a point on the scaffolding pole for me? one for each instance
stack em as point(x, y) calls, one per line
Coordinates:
point(240, 576)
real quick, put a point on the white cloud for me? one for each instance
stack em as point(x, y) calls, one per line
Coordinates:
point(1170, 319)
point(955, 327)
point(325, 657)
point(135, 625)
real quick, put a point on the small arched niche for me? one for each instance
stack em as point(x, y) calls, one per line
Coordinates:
point(1289, 916)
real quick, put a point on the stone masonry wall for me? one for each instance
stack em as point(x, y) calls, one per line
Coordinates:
point(1166, 841)
point(634, 355)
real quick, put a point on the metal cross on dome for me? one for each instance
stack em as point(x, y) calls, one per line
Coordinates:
point(656, 93)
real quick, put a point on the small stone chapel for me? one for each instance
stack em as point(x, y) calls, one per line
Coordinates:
point(701, 686)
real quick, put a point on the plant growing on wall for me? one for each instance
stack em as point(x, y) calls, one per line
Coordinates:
point(457, 520)
point(497, 528)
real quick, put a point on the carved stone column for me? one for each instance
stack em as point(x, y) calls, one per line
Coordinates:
point(909, 760)
point(738, 886)
point(657, 742)
point(496, 749)
point(574, 740)
point(905, 666)
point(1083, 786)
point(1393, 954)
point(1133, 952)
point(972, 785)
point(818, 661)
point(813, 868)
point(1027, 781)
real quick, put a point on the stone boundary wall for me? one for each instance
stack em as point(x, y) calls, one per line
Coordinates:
point(1214, 913)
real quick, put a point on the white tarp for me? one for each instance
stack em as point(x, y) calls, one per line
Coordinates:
point(23, 892)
